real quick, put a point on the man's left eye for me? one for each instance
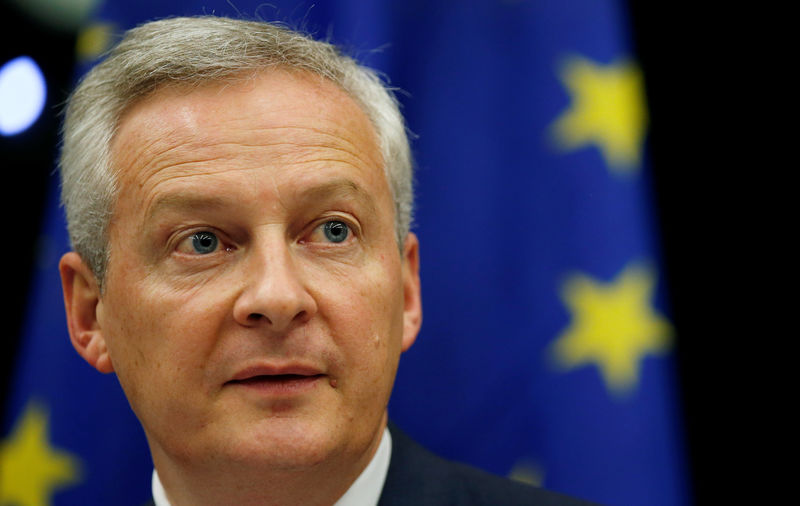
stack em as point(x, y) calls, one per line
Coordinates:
point(335, 231)
point(204, 243)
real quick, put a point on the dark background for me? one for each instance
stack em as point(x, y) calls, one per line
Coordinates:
point(683, 54)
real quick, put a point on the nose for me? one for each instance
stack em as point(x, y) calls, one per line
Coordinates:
point(274, 294)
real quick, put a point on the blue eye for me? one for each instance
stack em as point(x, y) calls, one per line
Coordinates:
point(336, 231)
point(204, 242)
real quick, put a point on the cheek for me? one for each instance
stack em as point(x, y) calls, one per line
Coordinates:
point(160, 339)
point(367, 321)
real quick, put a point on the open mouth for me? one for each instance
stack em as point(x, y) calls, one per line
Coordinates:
point(279, 385)
point(276, 378)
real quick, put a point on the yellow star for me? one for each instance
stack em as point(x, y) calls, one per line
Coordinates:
point(613, 326)
point(93, 41)
point(30, 469)
point(528, 472)
point(608, 110)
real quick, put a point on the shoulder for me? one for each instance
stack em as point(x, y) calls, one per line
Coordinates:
point(417, 476)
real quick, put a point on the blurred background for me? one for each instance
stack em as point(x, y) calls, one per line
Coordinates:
point(569, 222)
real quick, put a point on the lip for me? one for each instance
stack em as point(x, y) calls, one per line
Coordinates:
point(255, 371)
point(277, 380)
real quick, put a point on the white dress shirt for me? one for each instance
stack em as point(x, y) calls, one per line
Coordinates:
point(365, 491)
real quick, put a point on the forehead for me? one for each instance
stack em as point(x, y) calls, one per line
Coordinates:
point(272, 118)
point(278, 89)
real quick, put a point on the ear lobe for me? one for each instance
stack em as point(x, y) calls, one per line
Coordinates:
point(81, 300)
point(412, 312)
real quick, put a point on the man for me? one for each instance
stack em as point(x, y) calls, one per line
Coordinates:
point(239, 199)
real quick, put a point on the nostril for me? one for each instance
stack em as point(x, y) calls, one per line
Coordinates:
point(257, 317)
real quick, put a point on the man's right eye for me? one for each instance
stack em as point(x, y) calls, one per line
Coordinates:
point(204, 243)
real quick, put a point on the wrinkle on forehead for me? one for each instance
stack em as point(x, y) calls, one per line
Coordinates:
point(169, 130)
point(181, 117)
point(340, 188)
point(176, 147)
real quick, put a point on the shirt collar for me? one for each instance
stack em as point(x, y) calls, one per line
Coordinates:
point(365, 491)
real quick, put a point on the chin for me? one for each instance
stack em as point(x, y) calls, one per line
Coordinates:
point(285, 444)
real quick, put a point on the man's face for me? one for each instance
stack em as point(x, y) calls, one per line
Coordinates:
point(256, 302)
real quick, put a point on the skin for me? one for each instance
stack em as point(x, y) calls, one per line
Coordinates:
point(262, 163)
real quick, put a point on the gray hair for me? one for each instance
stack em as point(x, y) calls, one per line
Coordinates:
point(192, 51)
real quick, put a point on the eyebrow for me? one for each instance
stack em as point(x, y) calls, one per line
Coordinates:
point(339, 188)
point(185, 202)
point(335, 189)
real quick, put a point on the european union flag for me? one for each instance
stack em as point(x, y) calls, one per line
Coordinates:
point(546, 353)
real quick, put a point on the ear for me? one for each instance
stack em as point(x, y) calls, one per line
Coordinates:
point(81, 299)
point(412, 312)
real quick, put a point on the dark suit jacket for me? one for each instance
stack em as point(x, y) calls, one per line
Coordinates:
point(417, 477)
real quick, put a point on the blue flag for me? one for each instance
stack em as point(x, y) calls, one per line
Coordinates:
point(546, 353)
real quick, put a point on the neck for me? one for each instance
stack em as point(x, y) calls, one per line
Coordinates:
point(218, 481)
